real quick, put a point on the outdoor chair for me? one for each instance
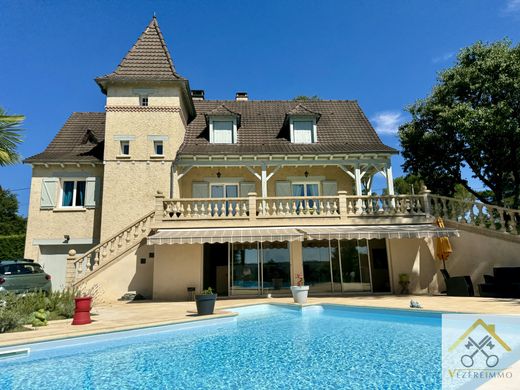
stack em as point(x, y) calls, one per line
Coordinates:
point(458, 286)
point(504, 283)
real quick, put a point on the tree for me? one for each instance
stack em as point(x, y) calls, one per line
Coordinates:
point(9, 137)
point(471, 119)
point(10, 222)
point(404, 185)
point(303, 98)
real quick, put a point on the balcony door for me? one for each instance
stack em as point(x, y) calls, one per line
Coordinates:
point(306, 189)
point(221, 190)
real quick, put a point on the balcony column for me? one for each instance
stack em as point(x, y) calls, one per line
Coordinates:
point(263, 178)
point(359, 190)
point(389, 180)
point(357, 178)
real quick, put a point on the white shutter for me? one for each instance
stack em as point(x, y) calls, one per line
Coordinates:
point(330, 188)
point(283, 188)
point(223, 132)
point(303, 132)
point(200, 189)
point(246, 187)
point(91, 192)
point(49, 192)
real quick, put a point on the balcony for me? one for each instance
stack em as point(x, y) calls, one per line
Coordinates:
point(286, 211)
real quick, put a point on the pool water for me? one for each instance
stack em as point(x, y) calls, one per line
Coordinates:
point(265, 346)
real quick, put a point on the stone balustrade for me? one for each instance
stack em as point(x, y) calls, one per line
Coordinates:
point(109, 249)
point(477, 214)
point(341, 206)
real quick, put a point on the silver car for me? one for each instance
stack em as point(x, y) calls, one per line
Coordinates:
point(21, 276)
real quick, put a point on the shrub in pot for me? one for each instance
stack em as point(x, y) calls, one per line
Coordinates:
point(205, 302)
point(300, 291)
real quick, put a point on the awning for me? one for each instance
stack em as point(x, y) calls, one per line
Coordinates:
point(209, 236)
point(376, 231)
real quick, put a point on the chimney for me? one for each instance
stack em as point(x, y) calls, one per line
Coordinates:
point(197, 94)
point(241, 97)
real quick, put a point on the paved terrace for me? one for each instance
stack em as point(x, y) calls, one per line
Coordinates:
point(130, 315)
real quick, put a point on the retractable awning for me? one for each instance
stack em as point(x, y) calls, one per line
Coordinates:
point(210, 236)
point(375, 231)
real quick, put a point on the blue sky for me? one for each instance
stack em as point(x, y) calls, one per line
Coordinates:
point(385, 54)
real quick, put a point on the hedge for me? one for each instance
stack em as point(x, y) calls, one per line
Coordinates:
point(12, 247)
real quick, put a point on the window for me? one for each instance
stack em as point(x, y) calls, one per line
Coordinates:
point(303, 131)
point(158, 148)
point(143, 101)
point(223, 132)
point(73, 193)
point(125, 148)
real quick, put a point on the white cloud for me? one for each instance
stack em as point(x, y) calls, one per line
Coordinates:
point(512, 6)
point(387, 122)
point(443, 58)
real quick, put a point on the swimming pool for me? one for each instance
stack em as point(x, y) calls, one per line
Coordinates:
point(265, 346)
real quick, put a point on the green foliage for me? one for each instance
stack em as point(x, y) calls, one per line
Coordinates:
point(35, 308)
point(404, 185)
point(39, 318)
point(303, 98)
point(10, 222)
point(471, 119)
point(208, 291)
point(9, 137)
point(9, 320)
point(12, 247)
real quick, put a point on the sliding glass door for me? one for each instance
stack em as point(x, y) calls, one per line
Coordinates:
point(260, 268)
point(345, 265)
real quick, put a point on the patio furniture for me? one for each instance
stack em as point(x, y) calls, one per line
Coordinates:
point(504, 283)
point(458, 286)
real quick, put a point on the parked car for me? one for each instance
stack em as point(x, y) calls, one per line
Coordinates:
point(24, 275)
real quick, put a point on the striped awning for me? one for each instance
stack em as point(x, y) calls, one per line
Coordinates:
point(375, 231)
point(210, 236)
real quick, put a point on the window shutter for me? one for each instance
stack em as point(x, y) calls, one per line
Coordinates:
point(91, 192)
point(49, 192)
point(330, 187)
point(200, 189)
point(283, 188)
point(246, 187)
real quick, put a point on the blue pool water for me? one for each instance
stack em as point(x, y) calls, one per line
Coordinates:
point(263, 347)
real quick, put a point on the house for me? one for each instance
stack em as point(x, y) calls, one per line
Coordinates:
point(166, 190)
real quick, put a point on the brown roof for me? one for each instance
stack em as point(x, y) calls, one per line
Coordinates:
point(343, 128)
point(148, 59)
point(80, 139)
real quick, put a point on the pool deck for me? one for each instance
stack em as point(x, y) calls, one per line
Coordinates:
point(124, 315)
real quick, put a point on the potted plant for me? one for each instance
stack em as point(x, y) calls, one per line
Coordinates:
point(300, 291)
point(205, 302)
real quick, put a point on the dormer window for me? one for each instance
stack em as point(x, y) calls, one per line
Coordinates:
point(222, 132)
point(303, 132)
point(223, 124)
point(143, 100)
point(303, 125)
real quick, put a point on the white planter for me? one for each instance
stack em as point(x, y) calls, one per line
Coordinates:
point(300, 293)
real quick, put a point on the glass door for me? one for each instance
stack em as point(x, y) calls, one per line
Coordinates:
point(245, 269)
point(227, 191)
point(306, 189)
point(276, 267)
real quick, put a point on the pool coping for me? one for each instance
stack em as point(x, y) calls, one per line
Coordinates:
point(223, 312)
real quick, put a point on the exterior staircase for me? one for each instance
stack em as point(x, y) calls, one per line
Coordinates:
point(112, 249)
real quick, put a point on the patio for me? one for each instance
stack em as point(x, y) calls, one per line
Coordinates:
point(123, 315)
